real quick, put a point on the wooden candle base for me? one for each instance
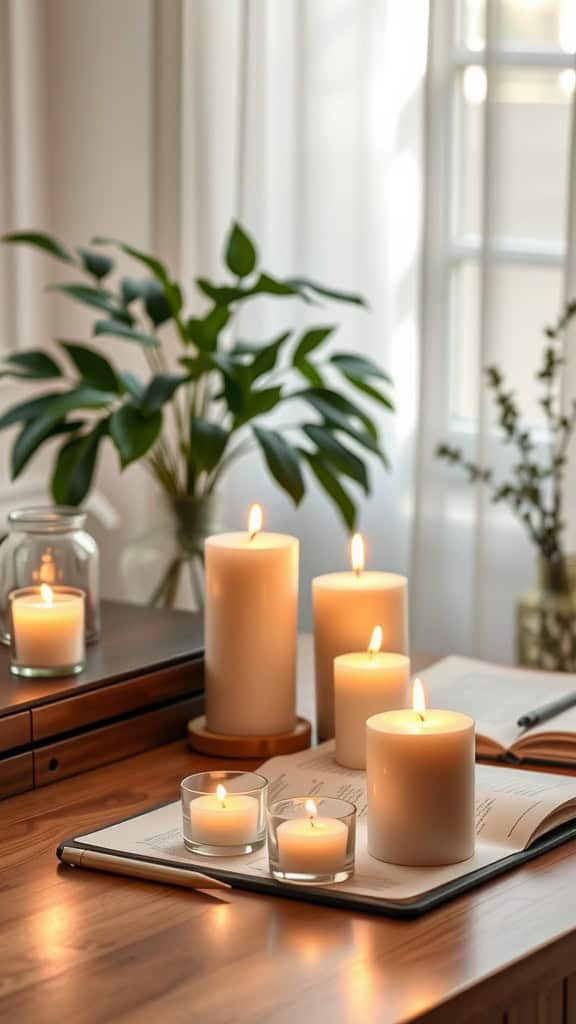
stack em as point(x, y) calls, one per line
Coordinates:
point(215, 744)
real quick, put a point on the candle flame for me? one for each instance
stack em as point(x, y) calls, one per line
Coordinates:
point(418, 699)
point(255, 519)
point(357, 553)
point(46, 594)
point(311, 810)
point(375, 640)
point(221, 794)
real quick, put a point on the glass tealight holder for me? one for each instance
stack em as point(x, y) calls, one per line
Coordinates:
point(311, 841)
point(224, 812)
point(47, 631)
point(49, 545)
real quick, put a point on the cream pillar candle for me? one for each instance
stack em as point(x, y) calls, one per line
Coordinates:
point(420, 773)
point(224, 819)
point(313, 845)
point(364, 684)
point(250, 632)
point(346, 605)
point(47, 628)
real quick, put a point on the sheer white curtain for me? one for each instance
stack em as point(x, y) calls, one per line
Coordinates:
point(500, 258)
point(304, 120)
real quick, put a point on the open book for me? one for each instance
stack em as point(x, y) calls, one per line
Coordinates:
point(516, 813)
point(496, 697)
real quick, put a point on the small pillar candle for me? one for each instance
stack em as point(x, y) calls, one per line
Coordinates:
point(224, 819)
point(346, 605)
point(312, 845)
point(47, 629)
point(365, 683)
point(250, 631)
point(420, 774)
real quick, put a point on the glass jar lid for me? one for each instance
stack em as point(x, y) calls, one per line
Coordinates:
point(52, 519)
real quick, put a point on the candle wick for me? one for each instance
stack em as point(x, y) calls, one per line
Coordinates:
point(357, 572)
point(420, 716)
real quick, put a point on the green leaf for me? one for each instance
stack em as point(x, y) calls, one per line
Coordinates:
point(95, 298)
point(309, 341)
point(28, 410)
point(358, 366)
point(197, 366)
point(32, 436)
point(207, 443)
point(40, 240)
point(267, 285)
point(301, 283)
point(204, 333)
point(333, 405)
point(310, 373)
point(33, 364)
point(336, 453)
point(82, 397)
point(222, 295)
point(334, 489)
point(156, 304)
point(159, 270)
point(240, 252)
point(131, 288)
point(257, 403)
point(282, 461)
point(134, 434)
point(114, 329)
point(372, 392)
point(75, 467)
point(94, 369)
point(133, 386)
point(96, 263)
point(160, 390)
point(267, 356)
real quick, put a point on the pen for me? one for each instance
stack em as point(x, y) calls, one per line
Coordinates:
point(139, 869)
point(546, 711)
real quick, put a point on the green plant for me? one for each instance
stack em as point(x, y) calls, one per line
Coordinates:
point(203, 402)
point(534, 491)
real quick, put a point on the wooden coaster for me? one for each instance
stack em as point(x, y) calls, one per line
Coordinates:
point(200, 738)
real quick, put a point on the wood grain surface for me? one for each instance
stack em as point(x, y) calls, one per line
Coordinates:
point(86, 948)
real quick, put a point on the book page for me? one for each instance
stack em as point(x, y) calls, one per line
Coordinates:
point(509, 806)
point(496, 697)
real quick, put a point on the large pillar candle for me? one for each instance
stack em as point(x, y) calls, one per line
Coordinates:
point(250, 632)
point(346, 605)
point(364, 684)
point(420, 774)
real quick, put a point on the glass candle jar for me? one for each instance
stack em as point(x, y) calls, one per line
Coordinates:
point(49, 545)
point(311, 841)
point(224, 812)
point(47, 631)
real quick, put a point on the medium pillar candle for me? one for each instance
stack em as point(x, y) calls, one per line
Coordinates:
point(364, 684)
point(250, 633)
point(346, 605)
point(420, 774)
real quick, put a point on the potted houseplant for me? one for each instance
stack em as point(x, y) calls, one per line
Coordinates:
point(534, 492)
point(206, 397)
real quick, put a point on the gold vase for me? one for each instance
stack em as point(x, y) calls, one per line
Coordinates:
point(546, 618)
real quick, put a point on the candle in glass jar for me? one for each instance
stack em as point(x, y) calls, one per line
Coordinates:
point(48, 627)
point(250, 631)
point(346, 605)
point(420, 774)
point(224, 819)
point(312, 845)
point(365, 683)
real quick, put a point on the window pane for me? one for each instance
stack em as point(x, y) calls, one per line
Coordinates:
point(525, 299)
point(521, 24)
point(469, 150)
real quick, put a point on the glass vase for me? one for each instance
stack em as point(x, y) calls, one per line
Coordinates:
point(164, 566)
point(546, 618)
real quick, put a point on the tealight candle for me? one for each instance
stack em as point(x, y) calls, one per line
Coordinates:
point(420, 773)
point(250, 631)
point(346, 605)
point(305, 846)
point(364, 684)
point(223, 812)
point(47, 630)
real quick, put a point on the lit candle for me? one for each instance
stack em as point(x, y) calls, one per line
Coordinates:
point(312, 845)
point(250, 631)
point(47, 627)
point(346, 605)
point(224, 819)
point(364, 684)
point(420, 772)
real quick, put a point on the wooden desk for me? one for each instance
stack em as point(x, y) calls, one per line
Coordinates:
point(81, 947)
